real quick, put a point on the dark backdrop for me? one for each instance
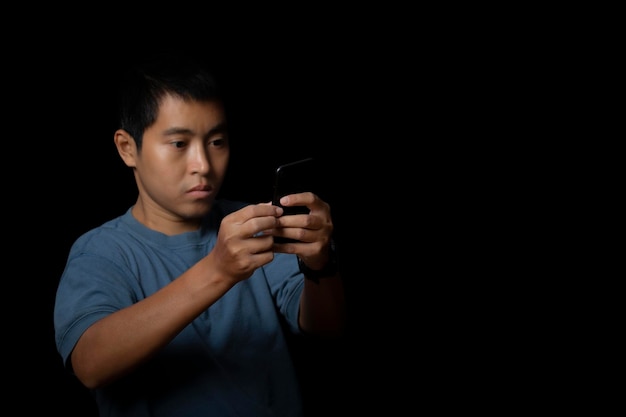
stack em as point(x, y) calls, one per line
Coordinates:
point(284, 104)
point(405, 118)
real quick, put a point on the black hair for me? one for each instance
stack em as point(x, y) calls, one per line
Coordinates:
point(148, 81)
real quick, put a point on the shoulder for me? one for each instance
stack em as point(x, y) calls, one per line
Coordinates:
point(101, 236)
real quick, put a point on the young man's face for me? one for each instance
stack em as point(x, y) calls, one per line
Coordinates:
point(182, 162)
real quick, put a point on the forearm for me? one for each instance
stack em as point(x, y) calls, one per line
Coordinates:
point(323, 307)
point(118, 343)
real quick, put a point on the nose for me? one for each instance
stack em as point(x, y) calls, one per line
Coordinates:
point(199, 159)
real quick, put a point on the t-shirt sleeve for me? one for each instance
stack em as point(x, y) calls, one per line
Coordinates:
point(90, 288)
point(286, 284)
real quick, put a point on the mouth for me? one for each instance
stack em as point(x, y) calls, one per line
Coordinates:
point(201, 191)
point(201, 187)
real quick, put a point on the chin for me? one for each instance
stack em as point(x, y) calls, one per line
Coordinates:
point(198, 210)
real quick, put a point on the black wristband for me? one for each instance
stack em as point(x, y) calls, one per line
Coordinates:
point(329, 270)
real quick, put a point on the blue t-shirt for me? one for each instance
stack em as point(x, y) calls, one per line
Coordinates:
point(232, 360)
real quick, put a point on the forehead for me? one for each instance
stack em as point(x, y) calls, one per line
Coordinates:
point(176, 110)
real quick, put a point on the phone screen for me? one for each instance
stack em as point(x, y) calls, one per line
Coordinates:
point(291, 178)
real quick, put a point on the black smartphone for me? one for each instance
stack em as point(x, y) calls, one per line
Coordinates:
point(294, 177)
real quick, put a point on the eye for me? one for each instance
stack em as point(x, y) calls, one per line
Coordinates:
point(218, 142)
point(178, 144)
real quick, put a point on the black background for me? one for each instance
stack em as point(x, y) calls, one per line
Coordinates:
point(323, 99)
point(396, 114)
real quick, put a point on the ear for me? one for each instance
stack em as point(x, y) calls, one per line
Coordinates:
point(126, 147)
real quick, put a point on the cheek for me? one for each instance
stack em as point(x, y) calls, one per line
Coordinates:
point(219, 166)
point(219, 162)
point(161, 166)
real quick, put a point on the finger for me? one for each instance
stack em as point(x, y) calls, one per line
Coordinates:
point(299, 199)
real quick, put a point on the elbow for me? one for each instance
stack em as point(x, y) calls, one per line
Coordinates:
point(324, 327)
point(88, 376)
point(334, 331)
point(88, 372)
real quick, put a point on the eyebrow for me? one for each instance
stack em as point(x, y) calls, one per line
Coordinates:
point(220, 128)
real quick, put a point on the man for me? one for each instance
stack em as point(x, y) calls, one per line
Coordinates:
point(181, 306)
